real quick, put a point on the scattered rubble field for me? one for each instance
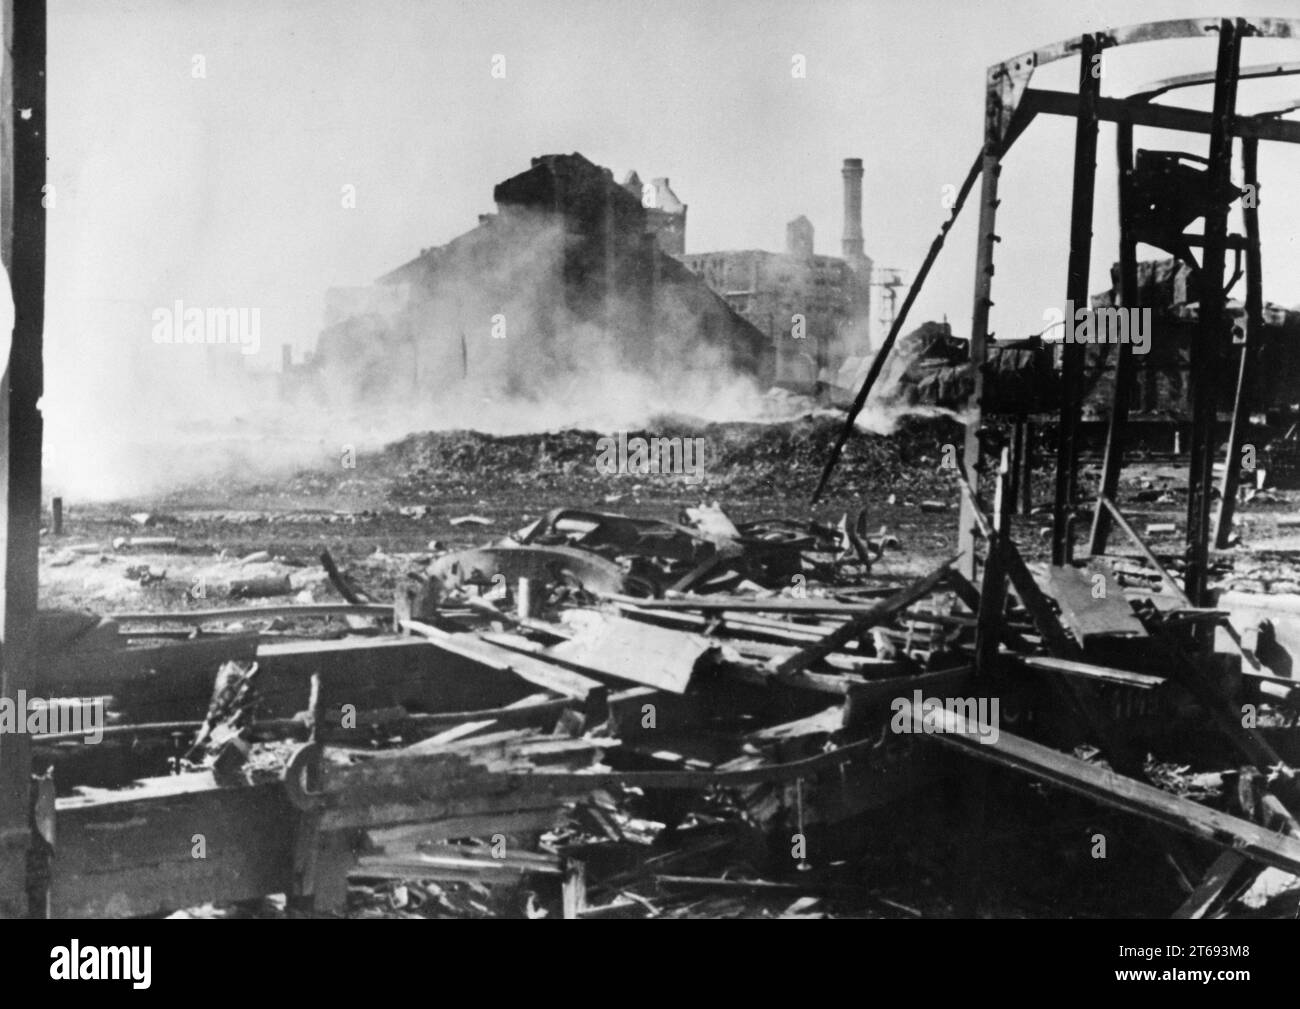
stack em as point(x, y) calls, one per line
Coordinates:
point(589, 695)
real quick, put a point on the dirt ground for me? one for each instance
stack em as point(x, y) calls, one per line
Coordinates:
point(395, 509)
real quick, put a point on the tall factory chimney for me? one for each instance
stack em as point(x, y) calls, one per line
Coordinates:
point(852, 173)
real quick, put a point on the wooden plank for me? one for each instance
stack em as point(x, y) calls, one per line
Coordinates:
point(834, 684)
point(195, 617)
point(525, 821)
point(866, 700)
point(735, 604)
point(824, 722)
point(1151, 558)
point(449, 864)
point(738, 633)
point(110, 670)
point(1090, 671)
point(528, 705)
point(1208, 891)
point(862, 623)
point(132, 852)
point(485, 776)
point(496, 656)
point(574, 888)
point(634, 652)
point(174, 682)
point(1092, 608)
point(1110, 789)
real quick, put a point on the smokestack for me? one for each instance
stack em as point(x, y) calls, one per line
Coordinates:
point(852, 173)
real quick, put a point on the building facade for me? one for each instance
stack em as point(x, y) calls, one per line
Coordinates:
point(813, 309)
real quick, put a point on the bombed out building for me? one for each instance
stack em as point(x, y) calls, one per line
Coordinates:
point(574, 275)
point(831, 295)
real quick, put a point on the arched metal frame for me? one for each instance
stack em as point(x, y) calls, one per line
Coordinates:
point(1011, 105)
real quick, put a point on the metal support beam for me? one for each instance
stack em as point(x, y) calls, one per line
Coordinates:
point(878, 362)
point(1164, 117)
point(991, 618)
point(1076, 293)
point(1115, 431)
point(1027, 477)
point(1250, 345)
point(1211, 329)
point(1017, 464)
point(979, 332)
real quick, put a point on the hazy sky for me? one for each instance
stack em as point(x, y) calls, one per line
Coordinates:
point(225, 189)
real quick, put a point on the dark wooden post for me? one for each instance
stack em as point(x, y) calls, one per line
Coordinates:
point(22, 246)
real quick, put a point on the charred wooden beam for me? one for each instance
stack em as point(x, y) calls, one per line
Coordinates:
point(1119, 792)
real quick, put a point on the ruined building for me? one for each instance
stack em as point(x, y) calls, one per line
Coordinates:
point(832, 295)
point(572, 277)
point(665, 214)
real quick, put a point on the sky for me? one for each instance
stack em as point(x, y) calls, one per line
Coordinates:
point(226, 187)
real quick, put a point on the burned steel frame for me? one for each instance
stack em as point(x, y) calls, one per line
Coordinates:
point(1011, 105)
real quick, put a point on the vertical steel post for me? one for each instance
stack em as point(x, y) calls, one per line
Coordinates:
point(979, 329)
point(1017, 463)
point(991, 618)
point(1115, 431)
point(1211, 330)
point(1076, 292)
point(1027, 477)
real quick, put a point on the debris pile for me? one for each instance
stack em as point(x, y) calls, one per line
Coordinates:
point(600, 715)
